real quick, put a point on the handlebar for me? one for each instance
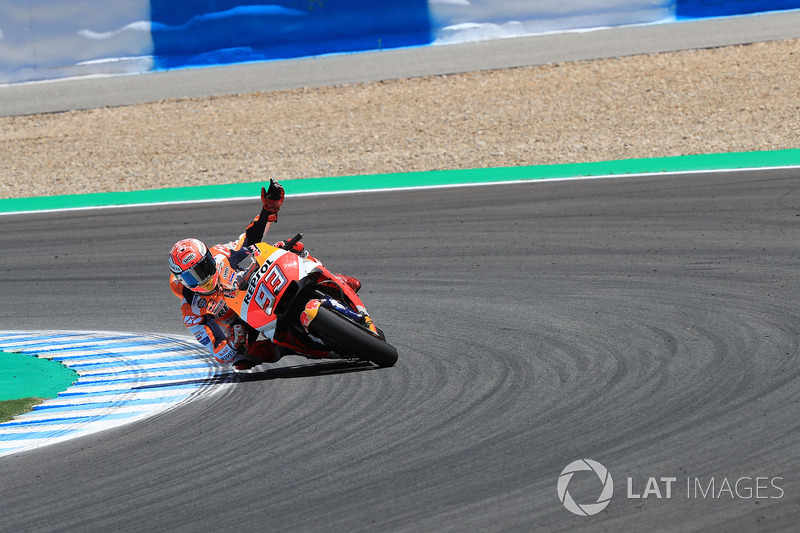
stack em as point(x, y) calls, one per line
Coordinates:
point(294, 240)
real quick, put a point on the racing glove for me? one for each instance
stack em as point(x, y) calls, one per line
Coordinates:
point(272, 199)
point(242, 278)
point(298, 248)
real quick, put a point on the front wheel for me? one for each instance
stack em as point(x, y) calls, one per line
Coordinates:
point(351, 338)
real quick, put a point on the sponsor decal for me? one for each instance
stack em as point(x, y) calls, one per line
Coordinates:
point(192, 320)
point(213, 304)
point(226, 355)
point(309, 313)
point(254, 279)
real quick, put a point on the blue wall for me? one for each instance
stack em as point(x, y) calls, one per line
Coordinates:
point(208, 32)
point(188, 33)
point(721, 8)
point(49, 39)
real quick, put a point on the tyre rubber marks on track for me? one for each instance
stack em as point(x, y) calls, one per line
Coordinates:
point(123, 378)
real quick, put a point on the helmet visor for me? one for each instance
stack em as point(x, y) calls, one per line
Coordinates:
point(200, 274)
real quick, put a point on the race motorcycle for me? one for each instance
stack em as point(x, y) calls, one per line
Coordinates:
point(296, 303)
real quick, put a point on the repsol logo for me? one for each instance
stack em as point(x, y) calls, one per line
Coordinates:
point(254, 279)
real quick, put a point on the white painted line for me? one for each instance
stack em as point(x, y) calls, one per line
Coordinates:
point(418, 187)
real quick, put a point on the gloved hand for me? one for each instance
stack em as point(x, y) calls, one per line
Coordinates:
point(242, 278)
point(272, 199)
point(298, 248)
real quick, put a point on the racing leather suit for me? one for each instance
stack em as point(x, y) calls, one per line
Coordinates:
point(207, 316)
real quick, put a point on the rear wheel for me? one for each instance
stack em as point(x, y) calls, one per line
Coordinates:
point(351, 338)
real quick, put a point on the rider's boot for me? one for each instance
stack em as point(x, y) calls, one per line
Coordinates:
point(245, 363)
point(265, 351)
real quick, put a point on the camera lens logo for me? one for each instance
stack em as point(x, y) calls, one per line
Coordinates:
point(587, 509)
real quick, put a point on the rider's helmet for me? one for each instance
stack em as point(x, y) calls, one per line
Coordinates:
point(193, 265)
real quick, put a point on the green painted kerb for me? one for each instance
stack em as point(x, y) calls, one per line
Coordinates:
point(28, 376)
point(688, 163)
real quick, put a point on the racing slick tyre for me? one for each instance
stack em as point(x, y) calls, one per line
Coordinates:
point(352, 339)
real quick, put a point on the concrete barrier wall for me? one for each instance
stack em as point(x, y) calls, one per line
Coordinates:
point(469, 20)
point(47, 39)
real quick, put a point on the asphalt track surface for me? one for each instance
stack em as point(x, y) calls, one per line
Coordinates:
point(648, 323)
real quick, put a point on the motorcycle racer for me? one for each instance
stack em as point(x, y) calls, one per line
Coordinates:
point(202, 276)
